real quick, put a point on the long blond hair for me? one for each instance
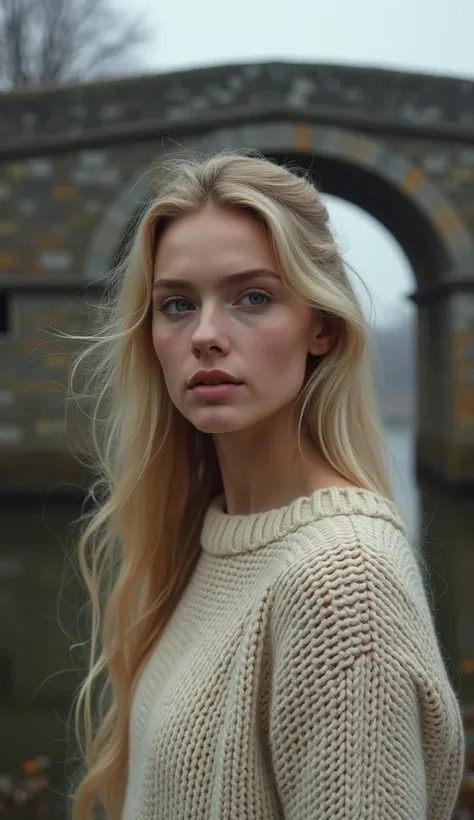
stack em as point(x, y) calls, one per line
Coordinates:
point(156, 474)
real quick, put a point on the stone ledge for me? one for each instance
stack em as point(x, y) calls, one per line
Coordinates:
point(158, 129)
point(426, 104)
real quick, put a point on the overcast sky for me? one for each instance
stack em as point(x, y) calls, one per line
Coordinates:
point(435, 36)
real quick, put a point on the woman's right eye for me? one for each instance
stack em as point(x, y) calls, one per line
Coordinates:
point(176, 306)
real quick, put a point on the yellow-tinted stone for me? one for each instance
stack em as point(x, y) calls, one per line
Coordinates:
point(5, 191)
point(57, 361)
point(80, 220)
point(35, 269)
point(301, 136)
point(415, 177)
point(51, 316)
point(62, 192)
point(8, 259)
point(467, 666)
point(463, 401)
point(49, 243)
point(446, 220)
point(30, 344)
point(17, 170)
point(463, 361)
point(7, 227)
point(49, 427)
point(30, 388)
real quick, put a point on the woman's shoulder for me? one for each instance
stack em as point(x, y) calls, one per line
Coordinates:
point(358, 593)
point(349, 527)
point(361, 567)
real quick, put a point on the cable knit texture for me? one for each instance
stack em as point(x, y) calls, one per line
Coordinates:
point(299, 677)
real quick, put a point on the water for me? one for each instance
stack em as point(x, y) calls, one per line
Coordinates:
point(401, 446)
point(442, 523)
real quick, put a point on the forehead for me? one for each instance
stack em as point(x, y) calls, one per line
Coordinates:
point(212, 240)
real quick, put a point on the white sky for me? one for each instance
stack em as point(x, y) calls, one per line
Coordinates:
point(435, 36)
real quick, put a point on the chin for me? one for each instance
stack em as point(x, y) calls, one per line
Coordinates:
point(214, 421)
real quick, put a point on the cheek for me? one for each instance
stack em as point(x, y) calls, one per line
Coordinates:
point(279, 344)
point(167, 352)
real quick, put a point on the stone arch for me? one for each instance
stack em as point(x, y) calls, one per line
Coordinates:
point(452, 248)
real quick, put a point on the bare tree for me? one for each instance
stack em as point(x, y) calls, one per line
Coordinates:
point(51, 42)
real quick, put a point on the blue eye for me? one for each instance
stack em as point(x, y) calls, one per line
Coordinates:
point(175, 306)
point(256, 298)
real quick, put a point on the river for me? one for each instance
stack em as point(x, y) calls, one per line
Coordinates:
point(401, 452)
point(443, 524)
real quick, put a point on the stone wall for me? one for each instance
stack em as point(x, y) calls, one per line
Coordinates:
point(77, 163)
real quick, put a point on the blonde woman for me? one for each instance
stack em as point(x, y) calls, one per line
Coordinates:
point(262, 645)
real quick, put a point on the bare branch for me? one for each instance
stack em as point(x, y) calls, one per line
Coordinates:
point(61, 41)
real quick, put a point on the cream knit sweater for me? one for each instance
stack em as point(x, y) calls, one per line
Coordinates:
point(299, 677)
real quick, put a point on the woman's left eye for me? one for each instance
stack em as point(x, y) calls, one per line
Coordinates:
point(256, 298)
point(176, 305)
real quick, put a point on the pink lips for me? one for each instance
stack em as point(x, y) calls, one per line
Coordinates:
point(215, 391)
point(213, 384)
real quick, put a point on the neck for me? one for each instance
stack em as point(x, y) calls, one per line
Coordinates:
point(263, 468)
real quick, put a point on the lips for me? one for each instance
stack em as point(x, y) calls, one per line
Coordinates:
point(212, 378)
point(216, 391)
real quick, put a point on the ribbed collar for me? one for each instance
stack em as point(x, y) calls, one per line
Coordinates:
point(224, 534)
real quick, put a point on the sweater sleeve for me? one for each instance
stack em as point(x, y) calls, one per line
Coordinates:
point(363, 720)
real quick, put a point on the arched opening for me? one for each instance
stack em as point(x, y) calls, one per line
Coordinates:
point(374, 256)
point(372, 193)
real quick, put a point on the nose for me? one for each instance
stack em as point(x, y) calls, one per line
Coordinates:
point(209, 335)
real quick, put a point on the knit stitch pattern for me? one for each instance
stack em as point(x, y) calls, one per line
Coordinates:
point(299, 677)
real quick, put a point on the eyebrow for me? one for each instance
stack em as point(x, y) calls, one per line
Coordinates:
point(241, 276)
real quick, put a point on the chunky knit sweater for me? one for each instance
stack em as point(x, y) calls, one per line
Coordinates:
point(299, 677)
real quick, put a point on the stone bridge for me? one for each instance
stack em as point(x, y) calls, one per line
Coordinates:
point(76, 164)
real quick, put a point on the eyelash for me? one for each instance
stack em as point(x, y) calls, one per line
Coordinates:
point(171, 299)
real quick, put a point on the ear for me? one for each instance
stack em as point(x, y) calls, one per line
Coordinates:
point(323, 336)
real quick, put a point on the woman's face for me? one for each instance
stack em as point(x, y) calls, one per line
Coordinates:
point(221, 312)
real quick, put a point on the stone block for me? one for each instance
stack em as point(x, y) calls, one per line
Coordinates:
point(463, 407)
point(437, 163)
point(27, 207)
point(11, 434)
point(49, 427)
point(93, 176)
point(92, 206)
point(7, 398)
point(49, 243)
point(92, 159)
point(29, 120)
point(17, 170)
point(79, 220)
point(7, 227)
point(63, 192)
point(35, 269)
point(56, 261)
point(41, 167)
point(58, 361)
point(110, 111)
point(9, 260)
point(5, 191)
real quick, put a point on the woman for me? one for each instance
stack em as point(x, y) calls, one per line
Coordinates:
point(260, 629)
